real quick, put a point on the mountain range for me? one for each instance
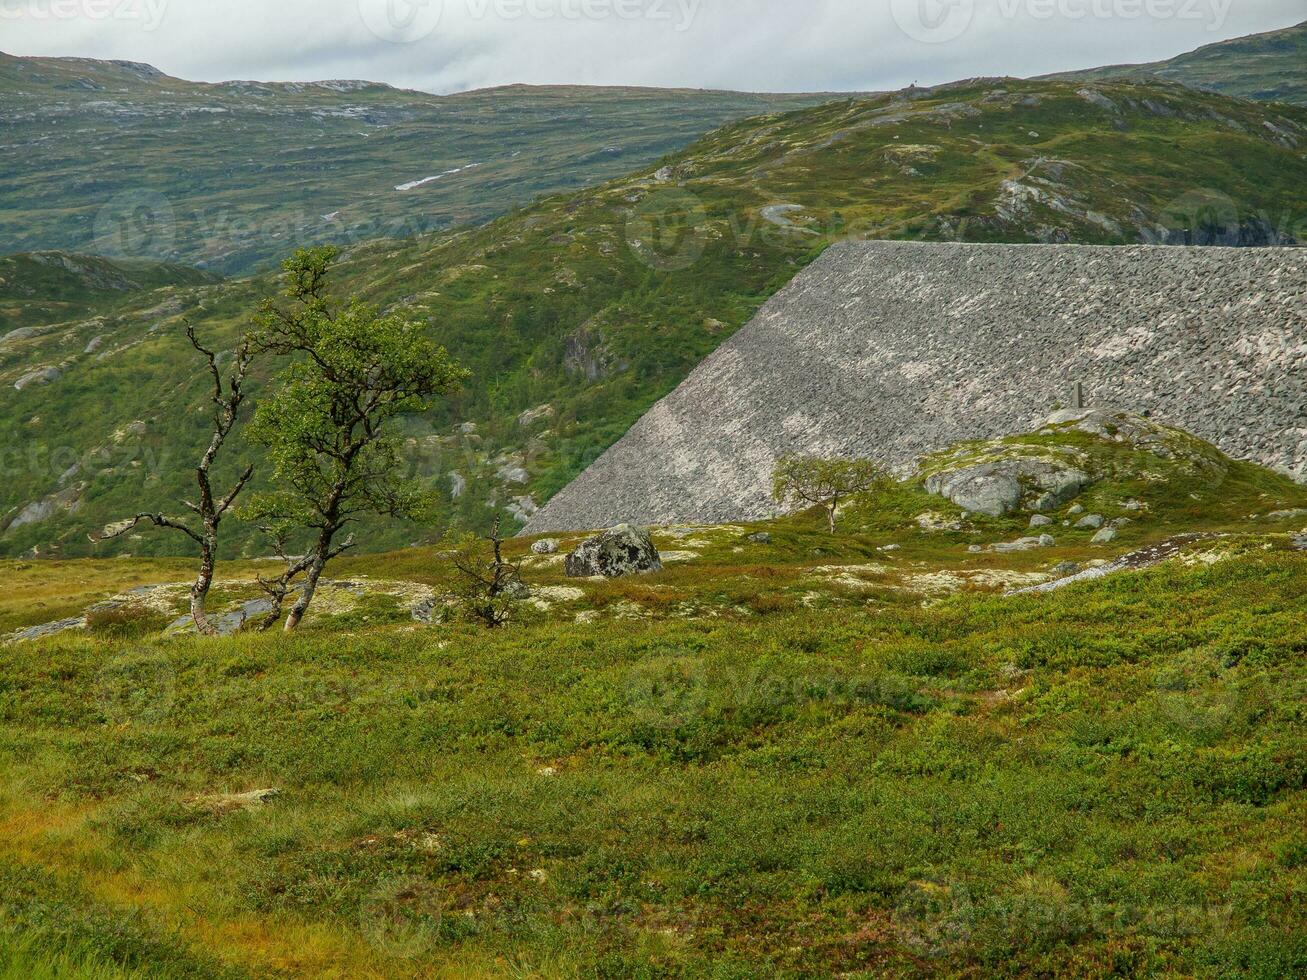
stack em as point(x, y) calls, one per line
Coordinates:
point(120, 159)
point(1269, 67)
point(578, 312)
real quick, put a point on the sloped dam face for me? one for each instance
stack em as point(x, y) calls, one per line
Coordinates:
point(892, 349)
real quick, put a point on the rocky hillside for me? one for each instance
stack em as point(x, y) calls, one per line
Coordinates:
point(889, 350)
point(938, 743)
point(578, 313)
point(117, 158)
point(42, 288)
point(1270, 67)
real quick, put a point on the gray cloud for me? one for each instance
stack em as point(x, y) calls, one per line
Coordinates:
point(764, 45)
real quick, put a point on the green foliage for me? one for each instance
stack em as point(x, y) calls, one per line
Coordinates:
point(1037, 785)
point(325, 423)
point(555, 305)
point(488, 587)
point(824, 482)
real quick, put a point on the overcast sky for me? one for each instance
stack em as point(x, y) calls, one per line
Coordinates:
point(761, 45)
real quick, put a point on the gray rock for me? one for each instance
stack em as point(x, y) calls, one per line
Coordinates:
point(1091, 522)
point(531, 417)
point(517, 590)
point(514, 474)
point(865, 355)
point(996, 488)
point(523, 508)
point(41, 376)
point(619, 551)
point(981, 489)
point(1075, 509)
point(228, 623)
point(548, 546)
point(1025, 544)
point(1287, 515)
point(42, 510)
point(1063, 569)
point(761, 537)
point(1299, 542)
point(1106, 536)
point(49, 629)
point(1039, 520)
point(424, 611)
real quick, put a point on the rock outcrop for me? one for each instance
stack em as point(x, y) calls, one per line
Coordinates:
point(1000, 487)
point(622, 550)
point(896, 349)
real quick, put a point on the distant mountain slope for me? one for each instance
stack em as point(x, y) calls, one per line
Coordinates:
point(47, 287)
point(591, 306)
point(118, 158)
point(1270, 67)
point(890, 350)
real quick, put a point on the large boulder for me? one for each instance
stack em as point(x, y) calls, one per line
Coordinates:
point(1000, 486)
point(622, 550)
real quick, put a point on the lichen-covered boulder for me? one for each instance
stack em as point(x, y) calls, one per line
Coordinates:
point(547, 546)
point(622, 550)
point(1000, 486)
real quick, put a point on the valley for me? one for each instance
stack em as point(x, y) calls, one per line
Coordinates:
point(616, 532)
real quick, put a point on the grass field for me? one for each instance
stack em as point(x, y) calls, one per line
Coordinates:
point(1106, 780)
point(813, 756)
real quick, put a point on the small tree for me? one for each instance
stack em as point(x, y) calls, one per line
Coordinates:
point(209, 508)
point(293, 566)
point(486, 584)
point(824, 482)
point(325, 424)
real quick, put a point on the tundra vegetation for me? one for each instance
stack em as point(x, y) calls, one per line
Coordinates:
point(326, 423)
point(572, 303)
point(787, 753)
point(814, 481)
point(488, 587)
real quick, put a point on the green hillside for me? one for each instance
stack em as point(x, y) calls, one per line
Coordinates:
point(786, 754)
point(116, 158)
point(41, 288)
point(597, 303)
point(1270, 67)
